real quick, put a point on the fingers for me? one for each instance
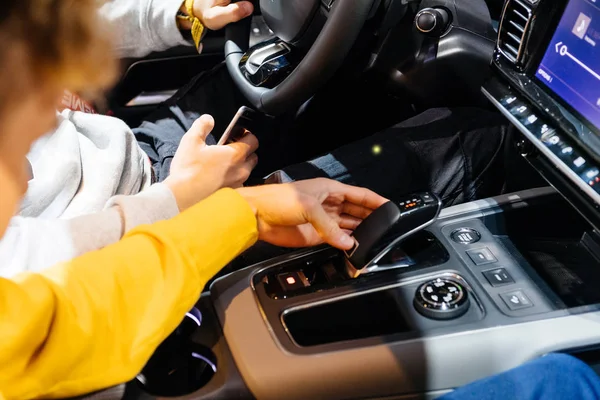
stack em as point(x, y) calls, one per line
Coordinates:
point(201, 128)
point(356, 210)
point(251, 161)
point(348, 222)
point(217, 17)
point(363, 197)
point(326, 226)
point(247, 145)
point(291, 236)
point(247, 167)
point(353, 194)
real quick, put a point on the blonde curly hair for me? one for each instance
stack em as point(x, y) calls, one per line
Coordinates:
point(61, 42)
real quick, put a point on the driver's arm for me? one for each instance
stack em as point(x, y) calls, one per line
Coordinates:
point(144, 26)
point(94, 322)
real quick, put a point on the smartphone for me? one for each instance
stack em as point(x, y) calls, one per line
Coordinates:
point(244, 121)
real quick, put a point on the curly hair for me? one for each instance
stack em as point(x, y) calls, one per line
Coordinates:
point(62, 42)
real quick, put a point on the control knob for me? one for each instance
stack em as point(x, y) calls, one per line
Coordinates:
point(441, 299)
point(432, 21)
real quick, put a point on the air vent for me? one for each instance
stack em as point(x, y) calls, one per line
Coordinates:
point(513, 30)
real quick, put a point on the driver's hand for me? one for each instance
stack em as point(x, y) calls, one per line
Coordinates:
point(215, 14)
point(199, 170)
point(307, 213)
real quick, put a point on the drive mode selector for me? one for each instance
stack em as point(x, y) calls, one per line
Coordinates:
point(441, 299)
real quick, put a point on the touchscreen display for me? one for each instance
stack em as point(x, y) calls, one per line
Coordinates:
point(571, 66)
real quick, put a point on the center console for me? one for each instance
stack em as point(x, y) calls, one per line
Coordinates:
point(480, 289)
point(489, 285)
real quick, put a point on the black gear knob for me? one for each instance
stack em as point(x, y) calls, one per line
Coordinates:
point(388, 225)
point(432, 21)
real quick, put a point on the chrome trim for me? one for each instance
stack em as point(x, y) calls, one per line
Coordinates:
point(523, 40)
point(543, 149)
point(425, 12)
point(381, 268)
point(206, 360)
point(356, 245)
point(264, 55)
point(410, 281)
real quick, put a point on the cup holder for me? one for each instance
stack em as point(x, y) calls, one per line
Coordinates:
point(191, 322)
point(179, 366)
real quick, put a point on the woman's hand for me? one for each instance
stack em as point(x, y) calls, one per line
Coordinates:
point(199, 170)
point(307, 213)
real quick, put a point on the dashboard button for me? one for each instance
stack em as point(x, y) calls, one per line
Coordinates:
point(550, 138)
point(541, 129)
point(465, 236)
point(519, 110)
point(579, 162)
point(481, 256)
point(509, 100)
point(411, 205)
point(498, 277)
point(427, 198)
point(530, 119)
point(290, 281)
point(592, 176)
point(516, 300)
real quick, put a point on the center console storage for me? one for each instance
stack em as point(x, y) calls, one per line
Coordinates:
point(378, 313)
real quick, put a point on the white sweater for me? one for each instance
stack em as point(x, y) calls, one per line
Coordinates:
point(89, 174)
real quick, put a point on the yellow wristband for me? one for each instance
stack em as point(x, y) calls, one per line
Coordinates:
point(197, 26)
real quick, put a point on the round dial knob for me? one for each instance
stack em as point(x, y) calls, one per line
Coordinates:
point(432, 21)
point(442, 299)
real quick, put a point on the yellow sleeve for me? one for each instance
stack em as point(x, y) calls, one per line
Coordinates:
point(95, 321)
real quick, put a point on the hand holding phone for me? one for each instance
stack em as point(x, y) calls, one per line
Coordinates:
point(244, 121)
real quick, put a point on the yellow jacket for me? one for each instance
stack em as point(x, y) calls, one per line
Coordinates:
point(95, 321)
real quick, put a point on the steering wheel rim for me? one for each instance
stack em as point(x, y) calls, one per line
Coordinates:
point(346, 19)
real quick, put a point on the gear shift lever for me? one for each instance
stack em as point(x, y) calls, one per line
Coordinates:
point(388, 225)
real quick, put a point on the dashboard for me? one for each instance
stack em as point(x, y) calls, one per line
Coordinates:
point(547, 83)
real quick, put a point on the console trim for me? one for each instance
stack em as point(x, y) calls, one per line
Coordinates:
point(543, 149)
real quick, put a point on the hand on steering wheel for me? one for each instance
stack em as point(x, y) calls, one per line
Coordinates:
point(216, 14)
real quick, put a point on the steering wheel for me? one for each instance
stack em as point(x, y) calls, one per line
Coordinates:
point(289, 20)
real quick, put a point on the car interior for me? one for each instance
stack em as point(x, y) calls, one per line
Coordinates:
point(430, 298)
